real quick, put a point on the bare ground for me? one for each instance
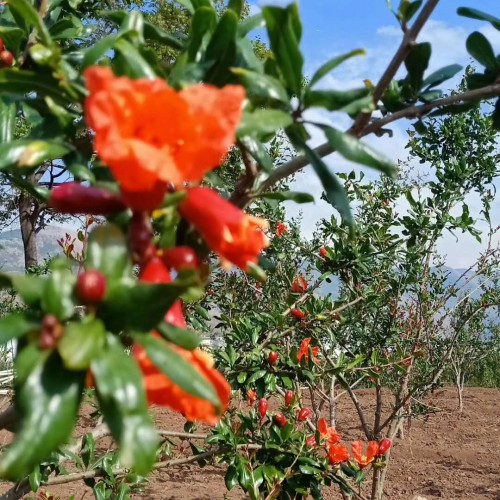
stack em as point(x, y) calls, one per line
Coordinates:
point(451, 455)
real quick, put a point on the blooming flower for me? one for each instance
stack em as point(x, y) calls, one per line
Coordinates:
point(371, 452)
point(304, 350)
point(251, 396)
point(236, 237)
point(163, 391)
point(281, 229)
point(299, 285)
point(149, 134)
point(329, 433)
point(311, 441)
point(338, 453)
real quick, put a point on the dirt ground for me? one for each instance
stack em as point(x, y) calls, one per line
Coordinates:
point(451, 455)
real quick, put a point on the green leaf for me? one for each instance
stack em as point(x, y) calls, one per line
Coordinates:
point(107, 252)
point(258, 152)
point(187, 339)
point(30, 153)
point(15, 325)
point(495, 116)
point(353, 149)
point(231, 477)
point(136, 65)
point(288, 195)
point(202, 25)
point(263, 122)
point(236, 6)
point(416, 63)
point(81, 342)
point(479, 14)
point(334, 100)
point(335, 192)
point(57, 296)
point(262, 86)
point(95, 52)
point(123, 402)
point(177, 369)
point(479, 47)
point(250, 23)
point(7, 121)
point(283, 29)
point(332, 64)
point(47, 400)
point(24, 9)
point(256, 376)
point(187, 4)
point(441, 75)
point(30, 288)
point(12, 38)
point(408, 9)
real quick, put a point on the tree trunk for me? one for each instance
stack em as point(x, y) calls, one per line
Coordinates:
point(460, 391)
point(28, 216)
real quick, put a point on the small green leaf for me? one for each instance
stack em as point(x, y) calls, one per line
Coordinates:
point(47, 400)
point(332, 64)
point(353, 149)
point(261, 86)
point(262, 122)
point(177, 369)
point(30, 153)
point(478, 14)
point(335, 100)
point(479, 47)
point(187, 339)
point(288, 195)
point(81, 342)
point(441, 75)
point(256, 376)
point(15, 325)
point(416, 63)
point(231, 477)
point(123, 402)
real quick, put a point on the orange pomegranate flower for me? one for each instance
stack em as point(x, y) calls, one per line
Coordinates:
point(371, 452)
point(149, 134)
point(236, 237)
point(299, 285)
point(160, 389)
point(304, 351)
point(281, 229)
point(329, 433)
point(338, 453)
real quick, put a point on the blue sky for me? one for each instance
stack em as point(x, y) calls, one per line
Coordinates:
point(331, 27)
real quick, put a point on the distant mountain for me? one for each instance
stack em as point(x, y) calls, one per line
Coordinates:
point(11, 247)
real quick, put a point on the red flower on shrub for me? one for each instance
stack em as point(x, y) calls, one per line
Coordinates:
point(338, 453)
point(150, 134)
point(236, 237)
point(299, 285)
point(297, 313)
point(304, 350)
point(281, 229)
point(251, 397)
point(311, 441)
point(163, 391)
point(328, 433)
point(303, 414)
point(384, 446)
point(364, 459)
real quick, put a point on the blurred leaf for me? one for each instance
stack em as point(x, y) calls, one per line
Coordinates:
point(7, 121)
point(236, 6)
point(95, 52)
point(15, 325)
point(12, 37)
point(136, 65)
point(30, 153)
point(122, 400)
point(187, 339)
point(353, 149)
point(262, 86)
point(180, 371)
point(441, 75)
point(283, 29)
point(47, 400)
point(334, 100)
point(288, 195)
point(258, 152)
point(332, 64)
point(81, 342)
point(478, 14)
point(262, 122)
point(251, 23)
point(479, 47)
point(202, 25)
point(416, 63)
point(26, 16)
point(57, 296)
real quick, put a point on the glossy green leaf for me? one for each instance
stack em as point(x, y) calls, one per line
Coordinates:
point(283, 29)
point(334, 100)
point(479, 47)
point(478, 14)
point(231, 477)
point(95, 52)
point(332, 64)
point(12, 38)
point(416, 63)
point(58, 297)
point(177, 369)
point(262, 87)
point(187, 339)
point(288, 195)
point(15, 325)
point(24, 10)
point(107, 252)
point(263, 122)
point(81, 342)
point(258, 152)
point(47, 400)
point(30, 153)
point(136, 65)
point(441, 75)
point(335, 192)
point(123, 403)
point(351, 148)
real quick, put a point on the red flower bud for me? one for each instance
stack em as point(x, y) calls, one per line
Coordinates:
point(50, 333)
point(74, 198)
point(322, 251)
point(273, 357)
point(297, 313)
point(6, 58)
point(384, 446)
point(280, 419)
point(179, 257)
point(251, 397)
point(303, 414)
point(311, 441)
point(289, 395)
point(263, 406)
point(140, 234)
point(91, 286)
